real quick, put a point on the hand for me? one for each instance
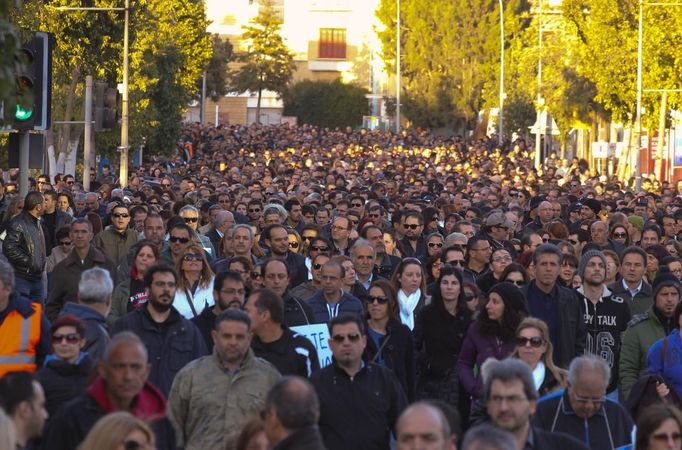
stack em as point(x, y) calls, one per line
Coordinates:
point(662, 390)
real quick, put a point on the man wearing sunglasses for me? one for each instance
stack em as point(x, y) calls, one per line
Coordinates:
point(359, 402)
point(190, 215)
point(414, 243)
point(116, 240)
point(497, 230)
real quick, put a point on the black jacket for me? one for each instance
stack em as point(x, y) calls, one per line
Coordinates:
point(304, 439)
point(358, 412)
point(387, 267)
point(298, 272)
point(542, 440)
point(57, 221)
point(609, 428)
point(205, 323)
point(571, 330)
point(170, 345)
point(63, 381)
point(24, 247)
point(397, 353)
point(291, 354)
point(296, 311)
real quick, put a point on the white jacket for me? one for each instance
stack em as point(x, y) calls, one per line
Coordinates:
point(202, 298)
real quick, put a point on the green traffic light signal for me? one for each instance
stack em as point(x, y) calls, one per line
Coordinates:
point(23, 113)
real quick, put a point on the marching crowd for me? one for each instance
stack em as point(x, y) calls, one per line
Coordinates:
point(467, 299)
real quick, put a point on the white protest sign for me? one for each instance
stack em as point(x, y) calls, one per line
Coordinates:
point(318, 334)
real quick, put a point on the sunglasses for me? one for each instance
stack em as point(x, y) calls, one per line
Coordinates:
point(374, 216)
point(319, 249)
point(317, 266)
point(468, 298)
point(535, 342)
point(619, 235)
point(254, 210)
point(182, 240)
point(356, 205)
point(456, 262)
point(381, 300)
point(193, 257)
point(65, 243)
point(308, 238)
point(191, 219)
point(293, 244)
point(71, 338)
point(412, 226)
point(119, 216)
point(340, 338)
point(516, 282)
point(435, 244)
point(69, 182)
point(256, 275)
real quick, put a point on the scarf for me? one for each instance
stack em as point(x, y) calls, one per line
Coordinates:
point(407, 305)
point(539, 375)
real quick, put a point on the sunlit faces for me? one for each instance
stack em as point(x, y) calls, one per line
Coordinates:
point(495, 306)
point(410, 278)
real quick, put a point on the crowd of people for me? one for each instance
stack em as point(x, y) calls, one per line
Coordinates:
point(471, 300)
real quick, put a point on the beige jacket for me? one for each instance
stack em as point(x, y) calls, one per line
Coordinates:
point(208, 406)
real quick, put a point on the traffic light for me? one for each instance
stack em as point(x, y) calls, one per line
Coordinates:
point(33, 78)
point(106, 107)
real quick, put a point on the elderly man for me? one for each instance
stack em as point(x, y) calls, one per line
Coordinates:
point(222, 221)
point(424, 426)
point(583, 411)
point(121, 385)
point(599, 231)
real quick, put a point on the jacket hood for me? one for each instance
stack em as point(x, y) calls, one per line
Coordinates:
point(83, 312)
point(149, 405)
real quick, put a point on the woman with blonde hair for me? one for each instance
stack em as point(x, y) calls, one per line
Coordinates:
point(195, 282)
point(534, 347)
point(119, 431)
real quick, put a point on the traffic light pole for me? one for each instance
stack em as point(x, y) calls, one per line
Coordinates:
point(123, 173)
point(24, 145)
point(87, 144)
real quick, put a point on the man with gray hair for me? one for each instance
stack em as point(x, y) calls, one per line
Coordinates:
point(511, 400)
point(222, 221)
point(92, 307)
point(582, 409)
point(488, 437)
point(423, 426)
point(363, 255)
point(190, 215)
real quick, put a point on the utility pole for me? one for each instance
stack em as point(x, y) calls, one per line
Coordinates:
point(123, 173)
point(540, 100)
point(501, 116)
point(87, 138)
point(397, 72)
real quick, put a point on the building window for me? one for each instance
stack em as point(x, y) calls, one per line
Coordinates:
point(332, 43)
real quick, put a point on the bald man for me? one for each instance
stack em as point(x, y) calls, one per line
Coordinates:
point(423, 426)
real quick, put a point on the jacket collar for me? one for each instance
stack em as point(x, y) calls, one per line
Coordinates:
point(149, 404)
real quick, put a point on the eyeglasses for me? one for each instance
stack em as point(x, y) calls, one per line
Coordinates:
point(412, 226)
point(534, 341)
point(193, 257)
point(254, 210)
point(340, 338)
point(182, 240)
point(456, 262)
point(380, 300)
point(516, 282)
point(619, 235)
point(356, 205)
point(293, 244)
point(502, 259)
point(120, 216)
point(663, 437)
point(319, 249)
point(65, 243)
point(256, 275)
point(435, 244)
point(71, 338)
point(374, 216)
point(191, 219)
point(586, 400)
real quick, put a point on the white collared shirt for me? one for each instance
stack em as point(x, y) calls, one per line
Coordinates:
point(635, 291)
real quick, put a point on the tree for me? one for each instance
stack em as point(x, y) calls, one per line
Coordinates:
point(267, 63)
point(216, 72)
point(449, 50)
point(325, 104)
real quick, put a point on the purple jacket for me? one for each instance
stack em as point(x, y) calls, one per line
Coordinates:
point(476, 349)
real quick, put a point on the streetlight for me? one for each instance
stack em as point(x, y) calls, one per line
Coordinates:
point(501, 73)
point(123, 173)
point(397, 71)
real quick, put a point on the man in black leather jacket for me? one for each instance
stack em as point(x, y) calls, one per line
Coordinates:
point(24, 248)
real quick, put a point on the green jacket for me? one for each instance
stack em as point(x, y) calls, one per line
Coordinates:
point(119, 302)
point(641, 302)
point(643, 330)
point(209, 405)
point(115, 245)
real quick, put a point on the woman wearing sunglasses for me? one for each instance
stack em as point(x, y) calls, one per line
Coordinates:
point(195, 282)
point(439, 334)
point(434, 244)
point(534, 347)
point(130, 293)
point(515, 273)
point(119, 431)
point(389, 342)
point(65, 372)
point(619, 233)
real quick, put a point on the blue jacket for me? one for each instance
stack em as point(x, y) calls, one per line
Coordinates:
point(671, 368)
point(347, 305)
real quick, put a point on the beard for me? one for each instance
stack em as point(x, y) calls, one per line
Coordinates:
point(160, 305)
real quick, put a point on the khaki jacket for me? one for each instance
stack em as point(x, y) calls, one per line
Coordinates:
point(209, 405)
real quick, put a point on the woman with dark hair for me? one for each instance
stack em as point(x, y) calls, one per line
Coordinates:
point(569, 267)
point(409, 282)
point(659, 427)
point(516, 274)
point(130, 293)
point(65, 372)
point(526, 260)
point(655, 253)
point(433, 266)
point(492, 335)
point(439, 333)
point(389, 342)
point(619, 233)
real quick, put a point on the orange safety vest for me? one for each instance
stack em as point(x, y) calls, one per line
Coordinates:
point(19, 339)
